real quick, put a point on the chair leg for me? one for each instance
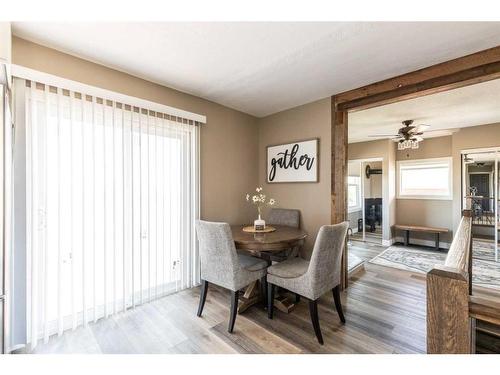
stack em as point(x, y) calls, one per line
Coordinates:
point(203, 296)
point(263, 290)
point(234, 310)
point(313, 310)
point(338, 303)
point(270, 300)
point(297, 298)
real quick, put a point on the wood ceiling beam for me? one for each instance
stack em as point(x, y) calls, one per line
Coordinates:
point(475, 68)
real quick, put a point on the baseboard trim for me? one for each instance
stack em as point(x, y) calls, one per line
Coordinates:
point(388, 242)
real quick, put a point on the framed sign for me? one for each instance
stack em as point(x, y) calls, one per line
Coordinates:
point(293, 162)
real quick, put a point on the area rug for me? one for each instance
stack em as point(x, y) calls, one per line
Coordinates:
point(485, 271)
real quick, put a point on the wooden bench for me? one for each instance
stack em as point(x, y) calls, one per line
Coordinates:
point(417, 228)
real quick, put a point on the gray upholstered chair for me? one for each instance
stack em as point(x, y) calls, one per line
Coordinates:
point(311, 279)
point(290, 218)
point(222, 265)
point(284, 216)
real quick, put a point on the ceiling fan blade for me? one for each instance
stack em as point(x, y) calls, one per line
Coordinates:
point(383, 135)
point(417, 138)
point(421, 128)
point(406, 129)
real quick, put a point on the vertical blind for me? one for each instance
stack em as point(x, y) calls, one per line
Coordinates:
point(111, 197)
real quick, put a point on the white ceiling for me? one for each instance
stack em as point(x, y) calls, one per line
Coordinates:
point(266, 67)
point(445, 112)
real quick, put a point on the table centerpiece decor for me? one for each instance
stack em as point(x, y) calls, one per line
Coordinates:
point(260, 200)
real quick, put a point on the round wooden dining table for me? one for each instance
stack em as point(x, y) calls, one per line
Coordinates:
point(263, 245)
point(258, 243)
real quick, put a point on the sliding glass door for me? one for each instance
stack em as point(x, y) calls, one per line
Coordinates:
point(111, 194)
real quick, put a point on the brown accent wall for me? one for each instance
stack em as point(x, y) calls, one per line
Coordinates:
point(311, 120)
point(228, 141)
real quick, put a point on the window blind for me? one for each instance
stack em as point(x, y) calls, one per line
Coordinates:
point(111, 200)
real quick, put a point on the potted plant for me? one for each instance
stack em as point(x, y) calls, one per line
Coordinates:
point(260, 200)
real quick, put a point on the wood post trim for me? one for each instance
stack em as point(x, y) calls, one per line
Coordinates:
point(339, 177)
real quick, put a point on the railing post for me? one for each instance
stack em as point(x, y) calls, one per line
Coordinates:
point(449, 328)
point(468, 213)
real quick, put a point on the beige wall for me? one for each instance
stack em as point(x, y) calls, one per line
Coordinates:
point(311, 120)
point(228, 141)
point(434, 213)
point(386, 150)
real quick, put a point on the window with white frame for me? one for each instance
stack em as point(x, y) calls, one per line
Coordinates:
point(354, 193)
point(425, 179)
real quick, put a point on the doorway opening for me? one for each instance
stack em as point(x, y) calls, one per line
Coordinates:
point(365, 211)
point(365, 200)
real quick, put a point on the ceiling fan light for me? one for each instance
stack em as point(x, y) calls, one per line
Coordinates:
point(414, 144)
point(400, 146)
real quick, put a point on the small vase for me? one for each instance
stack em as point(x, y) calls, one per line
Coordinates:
point(259, 224)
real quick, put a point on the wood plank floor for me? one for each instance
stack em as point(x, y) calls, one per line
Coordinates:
point(372, 237)
point(384, 308)
point(365, 250)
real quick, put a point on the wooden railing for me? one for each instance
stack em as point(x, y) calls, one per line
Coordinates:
point(452, 310)
point(449, 286)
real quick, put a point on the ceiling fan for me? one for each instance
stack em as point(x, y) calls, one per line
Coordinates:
point(408, 136)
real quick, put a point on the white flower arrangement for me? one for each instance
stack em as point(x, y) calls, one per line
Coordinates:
point(260, 200)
